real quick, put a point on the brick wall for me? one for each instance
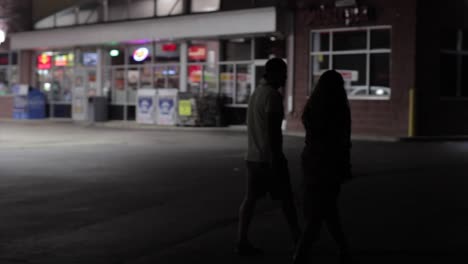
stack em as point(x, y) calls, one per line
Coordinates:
point(370, 117)
point(6, 107)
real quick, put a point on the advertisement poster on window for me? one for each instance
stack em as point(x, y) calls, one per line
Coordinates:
point(167, 107)
point(79, 96)
point(146, 100)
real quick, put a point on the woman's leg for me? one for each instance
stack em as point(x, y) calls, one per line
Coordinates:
point(314, 218)
point(333, 221)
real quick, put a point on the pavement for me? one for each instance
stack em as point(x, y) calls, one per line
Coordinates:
point(76, 193)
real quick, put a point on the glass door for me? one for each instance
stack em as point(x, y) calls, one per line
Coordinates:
point(61, 92)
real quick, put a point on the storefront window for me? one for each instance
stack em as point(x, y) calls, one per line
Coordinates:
point(210, 80)
point(173, 76)
point(107, 83)
point(8, 72)
point(169, 7)
point(243, 83)
point(379, 74)
point(349, 40)
point(194, 84)
point(199, 6)
point(61, 86)
point(380, 39)
point(361, 56)
point(146, 78)
point(118, 91)
point(133, 82)
point(454, 64)
point(4, 85)
point(320, 41)
point(141, 8)
point(14, 77)
point(44, 78)
point(115, 55)
point(167, 52)
point(226, 82)
point(159, 77)
point(319, 64)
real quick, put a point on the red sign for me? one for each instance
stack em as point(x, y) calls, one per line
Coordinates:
point(195, 73)
point(44, 62)
point(197, 53)
point(169, 47)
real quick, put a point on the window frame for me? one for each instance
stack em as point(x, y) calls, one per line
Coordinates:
point(459, 52)
point(367, 52)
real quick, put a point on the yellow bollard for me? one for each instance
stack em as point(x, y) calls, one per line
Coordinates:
point(411, 113)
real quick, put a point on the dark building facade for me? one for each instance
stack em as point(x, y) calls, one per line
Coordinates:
point(404, 62)
point(373, 44)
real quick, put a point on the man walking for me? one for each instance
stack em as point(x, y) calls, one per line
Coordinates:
point(267, 168)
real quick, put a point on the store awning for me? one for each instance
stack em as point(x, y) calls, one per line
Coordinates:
point(239, 22)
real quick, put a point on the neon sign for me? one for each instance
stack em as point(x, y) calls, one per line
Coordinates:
point(197, 53)
point(140, 54)
point(44, 62)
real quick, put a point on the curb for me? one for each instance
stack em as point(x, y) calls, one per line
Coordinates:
point(435, 139)
point(234, 128)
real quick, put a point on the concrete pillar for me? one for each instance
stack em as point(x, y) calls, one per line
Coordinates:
point(183, 67)
point(26, 67)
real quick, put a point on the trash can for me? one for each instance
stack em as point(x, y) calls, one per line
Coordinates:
point(97, 109)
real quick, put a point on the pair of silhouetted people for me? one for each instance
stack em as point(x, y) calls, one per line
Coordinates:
point(325, 159)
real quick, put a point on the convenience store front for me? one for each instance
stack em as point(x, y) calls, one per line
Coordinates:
point(115, 60)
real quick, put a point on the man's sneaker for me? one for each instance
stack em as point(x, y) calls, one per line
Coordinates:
point(247, 250)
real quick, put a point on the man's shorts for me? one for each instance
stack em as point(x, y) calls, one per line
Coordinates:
point(263, 178)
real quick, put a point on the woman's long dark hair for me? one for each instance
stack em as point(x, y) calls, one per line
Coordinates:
point(329, 95)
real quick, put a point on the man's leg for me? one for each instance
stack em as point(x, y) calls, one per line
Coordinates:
point(287, 201)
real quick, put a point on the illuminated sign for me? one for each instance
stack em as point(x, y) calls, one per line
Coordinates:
point(169, 47)
point(60, 60)
point(140, 54)
point(64, 59)
point(197, 53)
point(114, 53)
point(90, 59)
point(195, 73)
point(44, 62)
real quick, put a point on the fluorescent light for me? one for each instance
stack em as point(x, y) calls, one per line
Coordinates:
point(2, 36)
point(47, 87)
point(114, 53)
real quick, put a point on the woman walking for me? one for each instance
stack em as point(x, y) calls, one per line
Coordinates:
point(325, 162)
